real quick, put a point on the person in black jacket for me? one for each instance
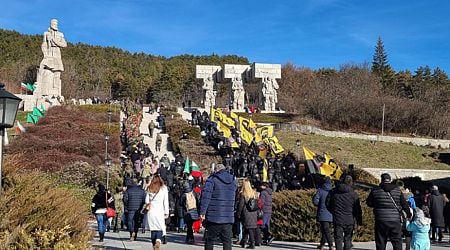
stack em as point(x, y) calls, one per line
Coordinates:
point(133, 200)
point(343, 203)
point(436, 203)
point(388, 202)
point(99, 202)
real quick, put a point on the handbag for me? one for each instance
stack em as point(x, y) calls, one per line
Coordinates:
point(110, 212)
point(147, 207)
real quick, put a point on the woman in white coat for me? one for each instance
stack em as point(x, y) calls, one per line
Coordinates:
point(157, 204)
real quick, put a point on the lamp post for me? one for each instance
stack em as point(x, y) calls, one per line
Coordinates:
point(108, 163)
point(9, 104)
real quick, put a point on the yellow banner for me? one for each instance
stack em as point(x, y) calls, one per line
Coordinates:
point(246, 136)
point(275, 146)
point(223, 128)
point(330, 168)
point(234, 115)
point(264, 132)
point(246, 123)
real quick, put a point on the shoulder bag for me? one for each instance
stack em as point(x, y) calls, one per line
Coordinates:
point(110, 212)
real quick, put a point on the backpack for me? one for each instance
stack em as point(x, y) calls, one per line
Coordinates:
point(252, 205)
point(191, 203)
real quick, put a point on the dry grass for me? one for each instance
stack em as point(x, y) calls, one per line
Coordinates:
point(362, 153)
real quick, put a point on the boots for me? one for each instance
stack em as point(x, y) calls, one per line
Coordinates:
point(251, 246)
point(102, 236)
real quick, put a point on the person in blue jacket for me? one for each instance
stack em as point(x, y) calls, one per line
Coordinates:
point(419, 227)
point(324, 217)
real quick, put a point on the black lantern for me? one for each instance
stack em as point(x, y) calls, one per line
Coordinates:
point(9, 104)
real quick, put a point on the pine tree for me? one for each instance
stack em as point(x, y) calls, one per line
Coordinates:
point(381, 67)
point(379, 62)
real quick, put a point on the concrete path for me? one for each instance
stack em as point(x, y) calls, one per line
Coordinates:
point(143, 128)
point(121, 240)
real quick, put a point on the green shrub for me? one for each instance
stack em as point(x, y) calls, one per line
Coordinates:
point(36, 214)
point(294, 217)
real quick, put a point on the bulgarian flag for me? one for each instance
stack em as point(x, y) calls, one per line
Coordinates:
point(186, 166)
point(48, 100)
point(20, 128)
point(195, 170)
point(27, 87)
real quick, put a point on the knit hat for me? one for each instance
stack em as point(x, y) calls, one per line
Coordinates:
point(434, 187)
point(219, 167)
point(386, 178)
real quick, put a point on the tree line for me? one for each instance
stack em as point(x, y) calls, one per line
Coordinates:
point(350, 97)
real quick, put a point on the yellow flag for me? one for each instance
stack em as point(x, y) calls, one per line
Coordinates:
point(227, 120)
point(265, 177)
point(330, 168)
point(246, 136)
point(223, 128)
point(264, 132)
point(246, 123)
point(234, 115)
point(275, 146)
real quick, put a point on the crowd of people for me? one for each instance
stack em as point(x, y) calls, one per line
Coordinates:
point(235, 201)
point(159, 195)
point(398, 214)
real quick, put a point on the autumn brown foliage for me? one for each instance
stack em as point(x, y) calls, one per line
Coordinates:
point(63, 136)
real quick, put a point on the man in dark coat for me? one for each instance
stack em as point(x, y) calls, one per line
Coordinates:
point(266, 200)
point(343, 203)
point(217, 207)
point(133, 200)
point(436, 203)
point(388, 202)
point(324, 217)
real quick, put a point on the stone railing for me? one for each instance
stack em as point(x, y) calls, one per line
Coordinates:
point(394, 139)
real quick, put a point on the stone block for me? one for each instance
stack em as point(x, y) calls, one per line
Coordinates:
point(261, 70)
point(236, 70)
point(205, 71)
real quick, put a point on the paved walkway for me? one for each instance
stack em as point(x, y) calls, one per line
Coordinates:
point(143, 128)
point(121, 240)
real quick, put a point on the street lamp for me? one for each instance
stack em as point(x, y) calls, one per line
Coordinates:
point(108, 163)
point(9, 104)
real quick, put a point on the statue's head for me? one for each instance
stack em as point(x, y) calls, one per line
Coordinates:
point(54, 24)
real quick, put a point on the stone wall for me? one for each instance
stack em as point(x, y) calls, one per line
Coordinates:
point(394, 139)
point(401, 173)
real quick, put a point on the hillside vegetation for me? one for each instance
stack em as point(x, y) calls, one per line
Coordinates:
point(363, 153)
point(348, 98)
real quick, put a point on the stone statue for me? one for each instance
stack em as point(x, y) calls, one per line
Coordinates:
point(210, 95)
point(269, 91)
point(238, 93)
point(49, 73)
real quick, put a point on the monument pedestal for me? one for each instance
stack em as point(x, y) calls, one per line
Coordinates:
point(30, 101)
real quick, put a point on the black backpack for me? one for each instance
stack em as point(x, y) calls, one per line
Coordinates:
point(252, 205)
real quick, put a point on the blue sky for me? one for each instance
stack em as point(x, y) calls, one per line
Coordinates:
point(309, 33)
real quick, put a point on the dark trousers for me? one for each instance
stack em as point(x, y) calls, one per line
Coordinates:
point(325, 230)
point(190, 231)
point(251, 236)
point(258, 235)
point(221, 231)
point(343, 236)
point(266, 226)
point(438, 231)
point(133, 221)
point(385, 230)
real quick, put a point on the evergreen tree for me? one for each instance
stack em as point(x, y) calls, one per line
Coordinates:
point(381, 67)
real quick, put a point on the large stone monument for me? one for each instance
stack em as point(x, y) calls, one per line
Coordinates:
point(48, 82)
point(210, 75)
point(268, 73)
point(238, 74)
